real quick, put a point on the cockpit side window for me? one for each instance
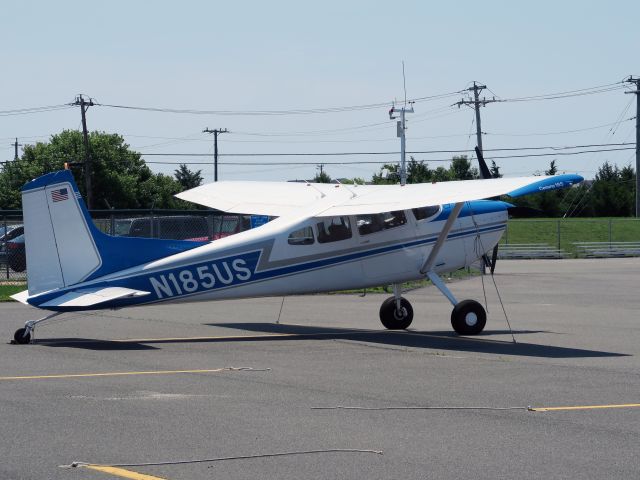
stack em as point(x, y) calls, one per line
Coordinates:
point(423, 213)
point(333, 229)
point(377, 222)
point(303, 236)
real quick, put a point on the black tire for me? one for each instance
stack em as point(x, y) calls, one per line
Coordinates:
point(22, 336)
point(391, 318)
point(468, 317)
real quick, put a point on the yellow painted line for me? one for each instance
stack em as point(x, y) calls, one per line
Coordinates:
point(121, 472)
point(116, 374)
point(583, 407)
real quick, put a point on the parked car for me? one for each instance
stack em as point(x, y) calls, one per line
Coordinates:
point(16, 254)
point(176, 227)
point(229, 225)
point(6, 234)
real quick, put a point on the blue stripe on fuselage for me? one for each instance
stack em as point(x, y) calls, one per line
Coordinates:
point(235, 270)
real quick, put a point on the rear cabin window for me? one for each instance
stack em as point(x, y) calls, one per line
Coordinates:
point(333, 229)
point(425, 212)
point(304, 236)
point(378, 222)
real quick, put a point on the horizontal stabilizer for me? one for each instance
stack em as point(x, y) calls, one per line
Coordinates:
point(89, 297)
point(21, 297)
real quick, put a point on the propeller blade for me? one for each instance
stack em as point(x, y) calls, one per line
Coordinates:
point(494, 259)
point(484, 170)
point(486, 173)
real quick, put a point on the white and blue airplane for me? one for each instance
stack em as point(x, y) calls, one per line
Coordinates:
point(326, 237)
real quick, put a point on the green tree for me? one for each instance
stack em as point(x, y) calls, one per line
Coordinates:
point(494, 170)
point(389, 174)
point(612, 193)
point(461, 169)
point(322, 177)
point(418, 171)
point(188, 178)
point(120, 177)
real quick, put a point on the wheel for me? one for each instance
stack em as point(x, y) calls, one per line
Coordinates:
point(468, 317)
point(393, 319)
point(22, 336)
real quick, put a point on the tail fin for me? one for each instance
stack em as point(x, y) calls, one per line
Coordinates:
point(64, 247)
point(60, 248)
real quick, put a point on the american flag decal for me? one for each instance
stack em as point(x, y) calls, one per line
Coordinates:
point(59, 195)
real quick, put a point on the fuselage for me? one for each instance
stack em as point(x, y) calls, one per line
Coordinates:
point(314, 254)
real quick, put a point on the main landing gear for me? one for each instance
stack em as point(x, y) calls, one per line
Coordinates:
point(396, 313)
point(25, 334)
point(467, 318)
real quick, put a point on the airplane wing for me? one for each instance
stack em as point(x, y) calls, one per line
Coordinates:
point(283, 198)
point(258, 198)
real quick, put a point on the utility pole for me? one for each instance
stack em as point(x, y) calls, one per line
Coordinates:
point(321, 167)
point(15, 146)
point(477, 103)
point(401, 128)
point(216, 132)
point(636, 92)
point(84, 106)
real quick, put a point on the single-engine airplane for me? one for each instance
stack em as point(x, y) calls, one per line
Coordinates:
point(326, 237)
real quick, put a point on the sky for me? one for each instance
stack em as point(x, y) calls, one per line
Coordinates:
point(231, 63)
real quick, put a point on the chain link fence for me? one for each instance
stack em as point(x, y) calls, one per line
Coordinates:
point(567, 235)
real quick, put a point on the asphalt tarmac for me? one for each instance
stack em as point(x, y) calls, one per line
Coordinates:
point(179, 383)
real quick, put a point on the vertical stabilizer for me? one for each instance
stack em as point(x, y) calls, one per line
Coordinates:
point(60, 248)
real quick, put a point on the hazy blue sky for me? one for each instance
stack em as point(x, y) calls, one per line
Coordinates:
point(281, 55)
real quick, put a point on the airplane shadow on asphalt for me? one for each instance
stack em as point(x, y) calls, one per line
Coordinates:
point(271, 332)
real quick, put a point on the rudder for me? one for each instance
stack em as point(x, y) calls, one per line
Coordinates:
point(60, 247)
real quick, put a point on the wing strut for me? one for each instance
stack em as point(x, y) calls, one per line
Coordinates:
point(427, 268)
point(444, 233)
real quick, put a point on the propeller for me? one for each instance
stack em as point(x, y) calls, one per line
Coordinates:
point(486, 173)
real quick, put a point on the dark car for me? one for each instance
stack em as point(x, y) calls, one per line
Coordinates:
point(16, 254)
point(229, 225)
point(176, 227)
point(6, 234)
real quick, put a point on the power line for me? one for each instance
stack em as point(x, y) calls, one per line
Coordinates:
point(363, 162)
point(557, 149)
point(27, 111)
point(557, 132)
point(571, 93)
point(301, 111)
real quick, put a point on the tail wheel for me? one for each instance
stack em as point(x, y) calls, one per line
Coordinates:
point(395, 319)
point(468, 317)
point(22, 336)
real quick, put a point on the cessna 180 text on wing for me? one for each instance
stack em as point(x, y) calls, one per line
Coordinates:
point(326, 237)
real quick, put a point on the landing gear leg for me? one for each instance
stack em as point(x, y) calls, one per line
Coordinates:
point(468, 316)
point(396, 313)
point(25, 334)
